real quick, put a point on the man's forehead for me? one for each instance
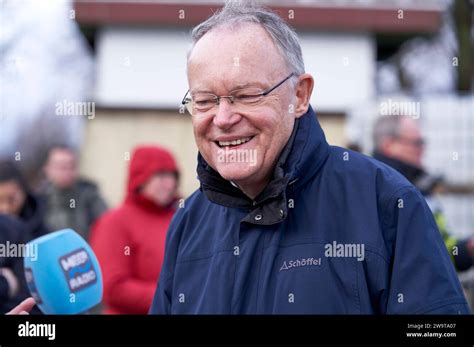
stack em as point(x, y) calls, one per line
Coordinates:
point(236, 35)
point(228, 65)
point(409, 125)
point(228, 56)
point(247, 45)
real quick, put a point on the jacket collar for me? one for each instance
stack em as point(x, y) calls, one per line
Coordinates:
point(301, 158)
point(425, 182)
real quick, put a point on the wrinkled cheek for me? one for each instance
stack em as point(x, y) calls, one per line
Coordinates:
point(200, 131)
point(208, 151)
point(197, 128)
point(200, 140)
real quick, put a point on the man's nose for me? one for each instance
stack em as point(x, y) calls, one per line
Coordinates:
point(225, 116)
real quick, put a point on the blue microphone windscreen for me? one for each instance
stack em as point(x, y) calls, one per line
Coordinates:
point(62, 273)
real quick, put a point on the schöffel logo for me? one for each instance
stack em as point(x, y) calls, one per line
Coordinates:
point(78, 269)
point(287, 265)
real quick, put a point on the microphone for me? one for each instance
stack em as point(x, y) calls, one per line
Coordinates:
point(63, 273)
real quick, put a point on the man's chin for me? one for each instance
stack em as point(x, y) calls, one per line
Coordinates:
point(236, 172)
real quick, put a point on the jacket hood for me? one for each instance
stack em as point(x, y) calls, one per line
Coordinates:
point(147, 161)
point(301, 158)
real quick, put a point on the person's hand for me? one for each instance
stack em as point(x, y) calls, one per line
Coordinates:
point(13, 285)
point(24, 307)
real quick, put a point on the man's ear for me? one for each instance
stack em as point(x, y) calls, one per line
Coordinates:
point(304, 89)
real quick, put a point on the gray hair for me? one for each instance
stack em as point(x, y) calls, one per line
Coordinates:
point(386, 127)
point(282, 35)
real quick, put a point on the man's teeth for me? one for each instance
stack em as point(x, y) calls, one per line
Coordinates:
point(235, 142)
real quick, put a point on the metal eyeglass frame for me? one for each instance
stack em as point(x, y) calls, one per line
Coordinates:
point(186, 100)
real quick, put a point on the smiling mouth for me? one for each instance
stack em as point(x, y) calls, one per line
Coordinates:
point(234, 143)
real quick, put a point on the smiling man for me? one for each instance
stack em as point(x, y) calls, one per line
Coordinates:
point(305, 227)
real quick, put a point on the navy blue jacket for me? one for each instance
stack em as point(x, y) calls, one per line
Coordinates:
point(334, 232)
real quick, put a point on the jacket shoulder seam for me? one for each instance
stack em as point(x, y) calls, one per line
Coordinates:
point(390, 199)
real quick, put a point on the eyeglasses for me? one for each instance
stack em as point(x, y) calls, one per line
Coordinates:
point(412, 142)
point(200, 103)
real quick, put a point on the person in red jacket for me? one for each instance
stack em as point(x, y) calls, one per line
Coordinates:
point(130, 240)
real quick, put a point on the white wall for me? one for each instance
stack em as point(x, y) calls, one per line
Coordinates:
point(343, 66)
point(146, 67)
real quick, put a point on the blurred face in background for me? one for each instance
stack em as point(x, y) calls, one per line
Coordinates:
point(12, 198)
point(408, 146)
point(161, 188)
point(61, 168)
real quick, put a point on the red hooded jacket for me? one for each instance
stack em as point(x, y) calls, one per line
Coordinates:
point(130, 240)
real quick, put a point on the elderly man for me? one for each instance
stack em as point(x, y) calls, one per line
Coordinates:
point(398, 142)
point(284, 223)
point(305, 227)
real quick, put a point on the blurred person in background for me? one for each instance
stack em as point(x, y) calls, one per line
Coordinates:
point(12, 280)
point(21, 220)
point(398, 142)
point(16, 199)
point(72, 202)
point(130, 240)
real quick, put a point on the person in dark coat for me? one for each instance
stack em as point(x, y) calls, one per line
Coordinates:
point(11, 231)
point(72, 201)
point(399, 143)
point(17, 200)
point(13, 288)
point(21, 220)
point(284, 223)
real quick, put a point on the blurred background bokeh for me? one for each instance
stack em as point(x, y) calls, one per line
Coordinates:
point(124, 62)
